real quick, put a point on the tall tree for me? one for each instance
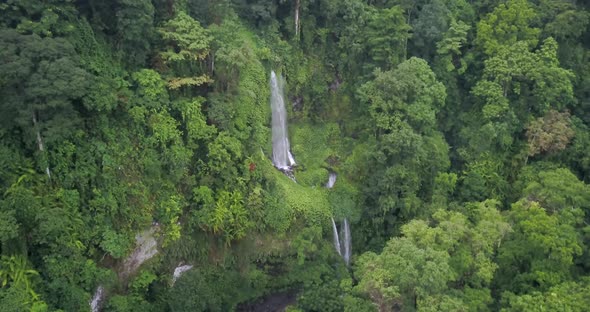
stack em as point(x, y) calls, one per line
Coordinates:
point(550, 133)
point(518, 83)
point(540, 252)
point(509, 23)
point(40, 82)
point(188, 46)
point(420, 269)
point(135, 30)
point(386, 37)
point(410, 151)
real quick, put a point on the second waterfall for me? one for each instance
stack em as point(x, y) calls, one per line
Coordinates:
point(344, 246)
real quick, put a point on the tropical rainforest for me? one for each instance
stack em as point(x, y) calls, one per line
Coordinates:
point(459, 131)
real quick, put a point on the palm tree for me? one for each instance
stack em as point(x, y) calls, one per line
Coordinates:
point(14, 272)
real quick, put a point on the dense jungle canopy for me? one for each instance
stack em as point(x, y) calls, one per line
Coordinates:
point(132, 130)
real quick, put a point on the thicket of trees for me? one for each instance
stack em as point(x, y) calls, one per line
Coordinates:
point(459, 131)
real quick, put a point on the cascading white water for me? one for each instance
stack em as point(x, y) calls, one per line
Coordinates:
point(330, 184)
point(331, 180)
point(281, 153)
point(346, 242)
point(96, 301)
point(336, 239)
point(344, 248)
point(179, 270)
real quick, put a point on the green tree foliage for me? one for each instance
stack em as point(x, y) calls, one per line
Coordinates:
point(386, 36)
point(188, 47)
point(402, 274)
point(41, 79)
point(556, 189)
point(540, 252)
point(570, 296)
point(403, 104)
point(562, 20)
point(14, 273)
point(515, 71)
point(45, 19)
point(135, 29)
point(458, 131)
point(204, 290)
point(517, 85)
point(226, 216)
point(415, 271)
point(437, 21)
point(449, 47)
point(508, 24)
point(575, 154)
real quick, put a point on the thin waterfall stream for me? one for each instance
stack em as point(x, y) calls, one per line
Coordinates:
point(336, 239)
point(343, 247)
point(346, 242)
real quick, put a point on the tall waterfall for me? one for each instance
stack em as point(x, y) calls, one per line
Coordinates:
point(281, 153)
point(343, 248)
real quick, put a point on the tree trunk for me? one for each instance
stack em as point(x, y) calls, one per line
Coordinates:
point(297, 5)
point(40, 143)
point(406, 39)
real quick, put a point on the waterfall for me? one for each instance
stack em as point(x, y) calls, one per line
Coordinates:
point(331, 180)
point(281, 153)
point(96, 301)
point(146, 247)
point(344, 248)
point(330, 184)
point(179, 270)
point(346, 242)
point(336, 239)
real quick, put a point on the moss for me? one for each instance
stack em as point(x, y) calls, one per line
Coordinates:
point(288, 202)
point(343, 200)
point(309, 203)
point(313, 176)
point(315, 148)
